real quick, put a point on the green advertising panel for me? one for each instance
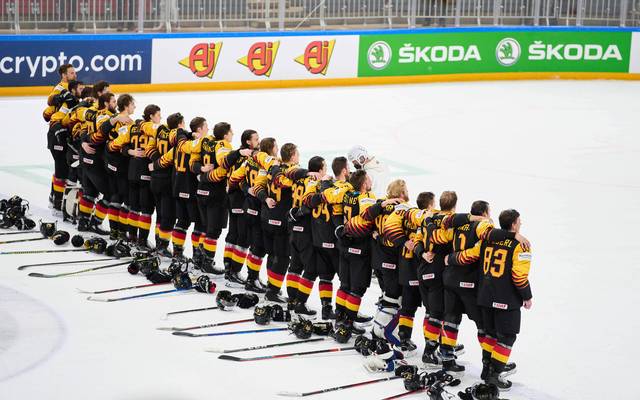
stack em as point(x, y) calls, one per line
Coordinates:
point(495, 51)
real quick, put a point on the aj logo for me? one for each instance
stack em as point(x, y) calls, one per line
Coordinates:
point(260, 58)
point(203, 59)
point(316, 56)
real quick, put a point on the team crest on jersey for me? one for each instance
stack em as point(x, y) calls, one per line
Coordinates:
point(208, 145)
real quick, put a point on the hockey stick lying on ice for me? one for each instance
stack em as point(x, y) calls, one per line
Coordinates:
point(122, 288)
point(176, 329)
point(17, 233)
point(23, 240)
point(137, 296)
point(39, 275)
point(403, 394)
point(25, 266)
point(41, 251)
point(189, 334)
point(333, 389)
point(264, 346)
point(167, 315)
point(286, 355)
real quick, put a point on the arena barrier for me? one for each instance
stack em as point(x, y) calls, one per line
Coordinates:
point(197, 61)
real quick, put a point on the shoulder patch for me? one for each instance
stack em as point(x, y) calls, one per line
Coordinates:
point(403, 206)
point(367, 200)
point(262, 172)
point(123, 130)
point(268, 159)
point(524, 257)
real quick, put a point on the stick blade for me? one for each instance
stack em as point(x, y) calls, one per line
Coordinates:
point(214, 350)
point(38, 275)
point(230, 358)
point(189, 334)
point(84, 291)
point(290, 394)
point(168, 328)
point(91, 298)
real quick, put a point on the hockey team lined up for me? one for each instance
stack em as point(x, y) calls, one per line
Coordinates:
point(309, 226)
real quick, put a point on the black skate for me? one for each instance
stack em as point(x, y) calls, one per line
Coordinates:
point(255, 286)
point(301, 310)
point(275, 297)
point(407, 347)
point(113, 235)
point(94, 226)
point(327, 312)
point(83, 225)
point(453, 368)
point(143, 245)
point(430, 358)
point(509, 369)
point(208, 265)
point(497, 379)
point(234, 280)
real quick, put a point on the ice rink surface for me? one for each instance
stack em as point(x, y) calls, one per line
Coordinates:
point(566, 154)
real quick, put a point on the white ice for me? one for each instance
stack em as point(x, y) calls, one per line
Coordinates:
point(563, 153)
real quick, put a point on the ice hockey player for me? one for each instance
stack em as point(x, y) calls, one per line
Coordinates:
point(401, 230)
point(132, 143)
point(237, 239)
point(118, 167)
point(377, 171)
point(212, 158)
point(303, 259)
point(503, 288)
point(55, 101)
point(159, 144)
point(355, 253)
point(94, 174)
point(324, 200)
point(274, 190)
point(185, 185)
point(246, 177)
point(57, 138)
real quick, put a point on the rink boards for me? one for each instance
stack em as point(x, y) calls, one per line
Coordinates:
point(203, 61)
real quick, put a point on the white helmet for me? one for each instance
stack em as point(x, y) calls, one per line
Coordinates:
point(358, 156)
